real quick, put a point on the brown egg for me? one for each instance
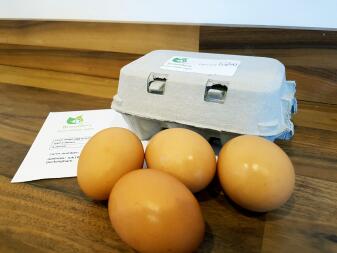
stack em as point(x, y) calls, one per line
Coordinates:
point(183, 154)
point(152, 211)
point(256, 173)
point(107, 156)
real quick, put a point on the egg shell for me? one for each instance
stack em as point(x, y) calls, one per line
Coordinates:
point(154, 212)
point(107, 156)
point(184, 154)
point(255, 173)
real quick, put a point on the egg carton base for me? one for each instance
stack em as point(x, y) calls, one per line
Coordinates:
point(145, 128)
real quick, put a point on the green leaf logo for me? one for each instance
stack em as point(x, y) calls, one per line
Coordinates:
point(75, 121)
point(179, 59)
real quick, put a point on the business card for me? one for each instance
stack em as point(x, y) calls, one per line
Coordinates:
point(56, 149)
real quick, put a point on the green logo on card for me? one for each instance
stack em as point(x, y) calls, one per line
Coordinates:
point(75, 121)
point(179, 59)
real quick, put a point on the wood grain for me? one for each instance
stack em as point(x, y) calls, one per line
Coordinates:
point(24, 109)
point(33, 219)
point(307, 223)
point(63, 81)
point(36, 219)
point(313, 152)
point(93, 63)
point(312, 64)
point(316, 115)
point(112, 37)
point(310, 57)
point(212, 37)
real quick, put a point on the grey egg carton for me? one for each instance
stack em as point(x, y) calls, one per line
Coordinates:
point(217, 95)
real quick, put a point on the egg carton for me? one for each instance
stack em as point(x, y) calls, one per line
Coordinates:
point(217, 95)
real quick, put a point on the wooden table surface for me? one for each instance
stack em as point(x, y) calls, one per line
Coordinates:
point(54, 215)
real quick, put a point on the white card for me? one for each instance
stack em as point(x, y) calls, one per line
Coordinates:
point(204, 66)
point(55, 151)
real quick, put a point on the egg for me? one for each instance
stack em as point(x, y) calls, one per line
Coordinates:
point(183, 154)
point(107, 156)
point(152, 211)
point(255, 173)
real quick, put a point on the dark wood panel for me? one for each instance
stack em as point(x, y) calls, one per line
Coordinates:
point(313, 152)
point(55, 80)
point(212, 37)
point(37, 220)
point(310, 57)
point(93, 63)
point(313, 66)
point(316, 115)
point(24, 109)
point(288, 230)
point(112, 37)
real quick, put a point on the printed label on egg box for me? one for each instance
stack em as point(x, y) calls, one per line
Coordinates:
point(202, 66)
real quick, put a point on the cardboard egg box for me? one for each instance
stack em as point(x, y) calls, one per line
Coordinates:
point(219, 96)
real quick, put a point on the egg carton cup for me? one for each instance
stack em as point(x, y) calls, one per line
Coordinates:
point(219, 96)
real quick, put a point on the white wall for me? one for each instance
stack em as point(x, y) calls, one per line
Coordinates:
point(277, 13)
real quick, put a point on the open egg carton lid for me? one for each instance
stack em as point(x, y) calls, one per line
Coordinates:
point(217, 95)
